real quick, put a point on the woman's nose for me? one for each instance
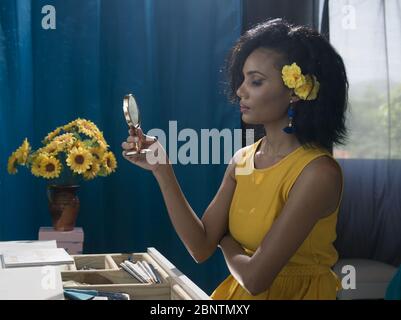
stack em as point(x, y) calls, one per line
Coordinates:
point(240, 91)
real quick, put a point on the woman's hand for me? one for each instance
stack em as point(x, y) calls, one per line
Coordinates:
point(153, 160)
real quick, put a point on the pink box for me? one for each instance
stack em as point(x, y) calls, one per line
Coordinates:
point(72, 241)
point(71, 247)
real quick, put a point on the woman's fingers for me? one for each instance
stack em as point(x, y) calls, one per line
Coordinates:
point(138, 159)
point(137, 140)
point(127, 145)
point(133, 158)
point(146, 140)
point(130, 142)
point(132, 139)
point(137, 132)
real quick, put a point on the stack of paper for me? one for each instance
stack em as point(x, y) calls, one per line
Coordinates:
point(142, 271)
point(34, 244)
point(35, 257)
point(32, 253)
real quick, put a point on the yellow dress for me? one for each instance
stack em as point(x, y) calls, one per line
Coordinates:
point(258, 200)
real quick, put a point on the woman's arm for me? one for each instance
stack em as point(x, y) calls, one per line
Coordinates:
point(315, 194)
point(200, 236)
point(237, 260)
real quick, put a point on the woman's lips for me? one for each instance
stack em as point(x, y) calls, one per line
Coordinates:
point(244, 109)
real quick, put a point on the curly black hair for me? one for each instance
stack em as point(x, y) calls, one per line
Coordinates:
point(318, 122)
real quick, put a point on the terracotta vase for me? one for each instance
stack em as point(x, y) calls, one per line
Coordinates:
point(63, 206)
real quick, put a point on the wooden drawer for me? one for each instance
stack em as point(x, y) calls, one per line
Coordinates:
point(102, 272)
point(93, 261)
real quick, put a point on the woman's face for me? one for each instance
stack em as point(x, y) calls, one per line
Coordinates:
point(263, 96)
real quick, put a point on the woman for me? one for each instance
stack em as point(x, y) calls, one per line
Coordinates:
point(274, 215)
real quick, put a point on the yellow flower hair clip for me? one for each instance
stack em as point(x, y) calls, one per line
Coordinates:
point(305, 87)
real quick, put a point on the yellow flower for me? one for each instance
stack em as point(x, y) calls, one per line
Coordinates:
point(87, 127)
point(292, 76)
point(19, 156)
point(36, 164)
point(109, 162)
point(309, 90)
point(51, 135)
point(50, 167)
point(22, 152)
point(67, 139)
point(98, 153)
point(103, 144)
point(79, 159)
point(69, 126)
point(12, 164)
point(315, 90)
point(92, 172)
point(79, 144)
point(100, 140)
point(53, 148)
point(67, 147)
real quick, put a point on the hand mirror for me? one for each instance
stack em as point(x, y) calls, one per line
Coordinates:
point(132, 116)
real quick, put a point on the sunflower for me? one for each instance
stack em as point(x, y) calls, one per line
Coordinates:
point(109, 162)
point(69, 126)
point(36, 164)
point(92, 172)
point(67, 139)
point(22, 152)
point(53, 147)
point(79, 159)
point(12, 163)
point(52, 134)
point(102, 144)
point(79, 144)
point(79, 147)
point(97, 153)
point(50, 167)
point(87, 127)
point(101, 140)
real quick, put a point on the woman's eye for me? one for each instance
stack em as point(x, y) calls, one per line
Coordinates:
point(256, 83)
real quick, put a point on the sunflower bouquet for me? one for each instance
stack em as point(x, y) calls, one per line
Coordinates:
point(77, 149)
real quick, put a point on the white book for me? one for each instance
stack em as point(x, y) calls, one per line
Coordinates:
point(13, 258)
point(34, 244)
point(39, 283)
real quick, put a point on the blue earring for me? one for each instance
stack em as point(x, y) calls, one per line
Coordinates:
point(291, 113)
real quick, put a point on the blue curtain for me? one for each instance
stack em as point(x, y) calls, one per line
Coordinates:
point(393, 291)
point(170, 55)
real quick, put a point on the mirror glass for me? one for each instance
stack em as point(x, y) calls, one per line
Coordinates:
point(132, 117)
point(131, 111)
